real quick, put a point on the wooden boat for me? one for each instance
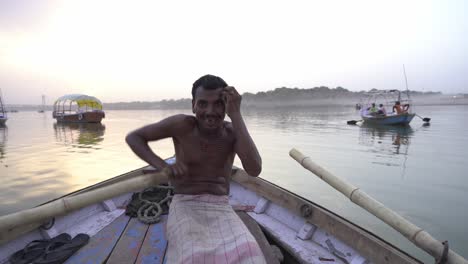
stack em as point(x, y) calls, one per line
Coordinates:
point(304, 231)
point(387, 98)
point(391, 119)
point(3, 114)
point(78, 108)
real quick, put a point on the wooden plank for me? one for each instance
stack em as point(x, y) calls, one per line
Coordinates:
point(260, 237)
point(154, 246)
point(367, 244)
point(100, 245)
point(129, 244)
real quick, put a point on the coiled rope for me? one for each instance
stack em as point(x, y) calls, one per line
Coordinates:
point(150, 204)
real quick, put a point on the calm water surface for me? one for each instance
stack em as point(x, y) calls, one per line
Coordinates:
point(418, 171)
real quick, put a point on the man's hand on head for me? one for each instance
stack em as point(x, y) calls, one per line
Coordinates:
point(232, 99)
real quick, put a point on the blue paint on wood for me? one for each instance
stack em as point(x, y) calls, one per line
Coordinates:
point(126, 250)
point(100, 245)
point(154, 247)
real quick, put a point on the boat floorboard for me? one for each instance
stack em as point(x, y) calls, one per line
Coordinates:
point(127, 240)
point(154, 246)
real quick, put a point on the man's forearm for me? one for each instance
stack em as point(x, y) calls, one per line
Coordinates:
point(246, 149)
point(140, 147)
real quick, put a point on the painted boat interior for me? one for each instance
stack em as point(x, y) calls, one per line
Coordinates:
point(304, 231)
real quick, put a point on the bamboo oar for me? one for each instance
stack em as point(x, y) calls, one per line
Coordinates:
point(70, 203)
point(415, 234)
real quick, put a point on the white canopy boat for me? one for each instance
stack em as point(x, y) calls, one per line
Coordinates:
point(78, 108)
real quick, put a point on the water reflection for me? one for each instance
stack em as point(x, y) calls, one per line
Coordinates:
point(86, 135)
point(391, 138)
point(3, 140)
point(296, 119)
point(388, 143)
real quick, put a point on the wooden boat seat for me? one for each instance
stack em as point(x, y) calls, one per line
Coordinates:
point(127, 240)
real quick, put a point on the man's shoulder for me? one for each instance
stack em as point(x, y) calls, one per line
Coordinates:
point(182, 118)
point(180, 123)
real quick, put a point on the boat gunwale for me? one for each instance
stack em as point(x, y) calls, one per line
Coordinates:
point(383, 117)
point(16, 232)
point(350, 226)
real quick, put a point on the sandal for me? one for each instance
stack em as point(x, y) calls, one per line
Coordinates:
point(59, 252)
point(35, 249)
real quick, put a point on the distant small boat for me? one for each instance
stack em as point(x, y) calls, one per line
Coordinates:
point(3, 115)
point(387, 98)
point(42, 110)
point(78, 108)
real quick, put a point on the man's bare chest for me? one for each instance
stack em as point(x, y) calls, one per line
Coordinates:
point(197, 149)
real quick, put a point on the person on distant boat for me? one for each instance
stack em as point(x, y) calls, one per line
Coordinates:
point(399, 109)
point(205, 147)
point(372, 110)
point(382, 111)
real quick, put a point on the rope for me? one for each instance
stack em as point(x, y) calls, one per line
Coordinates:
point(150, 204)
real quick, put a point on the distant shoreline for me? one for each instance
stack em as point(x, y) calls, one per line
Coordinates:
point(32, 108)
point(283, 97)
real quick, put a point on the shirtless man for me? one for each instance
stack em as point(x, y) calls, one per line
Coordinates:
point(399, 109)
point(205, 147)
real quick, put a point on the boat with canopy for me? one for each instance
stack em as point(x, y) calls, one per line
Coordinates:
point(371, 114)
point(288, 227)
point(78, 108)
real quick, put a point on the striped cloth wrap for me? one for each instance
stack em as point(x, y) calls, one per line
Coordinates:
point(205, 229)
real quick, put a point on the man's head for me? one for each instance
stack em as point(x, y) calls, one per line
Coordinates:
point(208, 104)
point(373, 104)
point(208, 82)
point(397, 103)
point(380, 105)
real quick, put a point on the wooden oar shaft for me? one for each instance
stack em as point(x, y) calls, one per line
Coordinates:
point(70, 203)
point(416, 235)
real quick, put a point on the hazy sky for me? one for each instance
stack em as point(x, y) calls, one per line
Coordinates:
point(153, 50)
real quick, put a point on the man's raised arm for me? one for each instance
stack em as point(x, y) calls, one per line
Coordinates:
point(244, 145)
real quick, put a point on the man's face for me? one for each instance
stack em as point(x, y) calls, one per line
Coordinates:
point(209, 108)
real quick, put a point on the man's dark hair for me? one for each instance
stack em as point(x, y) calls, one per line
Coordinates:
point(209, 82)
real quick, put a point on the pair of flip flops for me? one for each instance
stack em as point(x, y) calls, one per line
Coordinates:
point(50, 251)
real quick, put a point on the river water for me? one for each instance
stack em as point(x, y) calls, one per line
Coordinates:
point(418, 171)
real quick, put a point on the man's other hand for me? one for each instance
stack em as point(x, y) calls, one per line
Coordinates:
point(178, 170)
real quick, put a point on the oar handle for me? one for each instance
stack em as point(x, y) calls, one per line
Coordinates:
point(416, 235)
point(70, 203)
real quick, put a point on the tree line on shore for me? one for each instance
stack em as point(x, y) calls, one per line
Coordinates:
point(280, 96)
point(283, 96)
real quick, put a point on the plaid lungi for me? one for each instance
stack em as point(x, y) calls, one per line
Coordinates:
point(205, 229)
